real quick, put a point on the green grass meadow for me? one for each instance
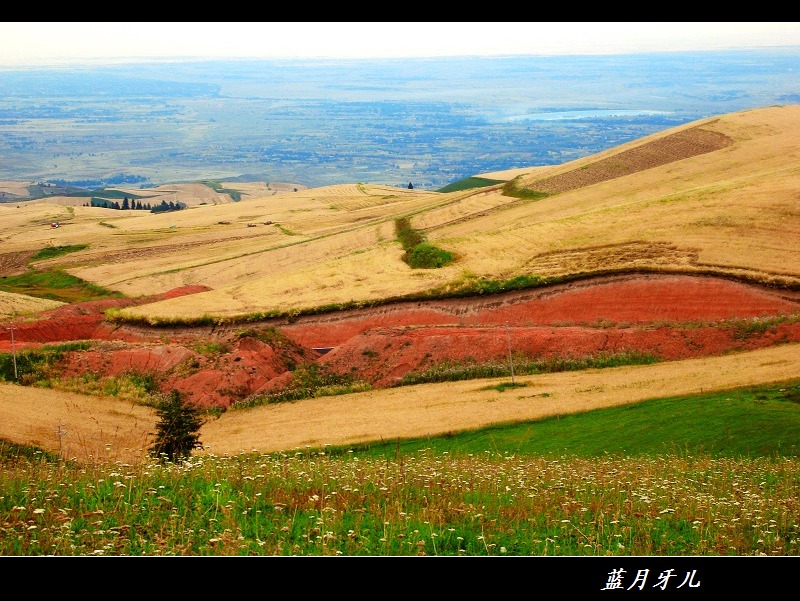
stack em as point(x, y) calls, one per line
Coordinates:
point(748, 422)
point(710, 475)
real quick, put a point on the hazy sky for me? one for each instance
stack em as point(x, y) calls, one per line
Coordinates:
point(24, 43)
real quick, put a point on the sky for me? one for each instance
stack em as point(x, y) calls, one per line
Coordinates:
point(31, 43)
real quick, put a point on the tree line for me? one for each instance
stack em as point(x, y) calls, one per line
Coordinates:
point(136, 205)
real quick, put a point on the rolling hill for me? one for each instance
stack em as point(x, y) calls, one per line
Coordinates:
point(681, 246)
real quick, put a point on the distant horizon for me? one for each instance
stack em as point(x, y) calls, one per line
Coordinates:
point(391, 121)
point(60, 44)
point(151, 60)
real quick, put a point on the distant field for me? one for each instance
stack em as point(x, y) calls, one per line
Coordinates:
point(190, 195)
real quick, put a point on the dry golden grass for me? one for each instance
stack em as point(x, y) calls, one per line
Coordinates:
point(107, 429)
point(21, 304)
point(733, 210)
point(87, 428)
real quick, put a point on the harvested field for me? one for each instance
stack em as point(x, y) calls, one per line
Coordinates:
point(681, 247)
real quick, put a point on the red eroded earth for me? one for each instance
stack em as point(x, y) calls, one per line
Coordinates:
point(666, 316)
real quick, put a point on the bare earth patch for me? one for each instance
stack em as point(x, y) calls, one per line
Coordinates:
point(670, 317)
point(677, 146)
point(15, 263)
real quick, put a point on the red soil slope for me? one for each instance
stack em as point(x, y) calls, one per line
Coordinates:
point(668, 316)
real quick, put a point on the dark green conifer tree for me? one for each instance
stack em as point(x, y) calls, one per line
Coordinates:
point(177, 429)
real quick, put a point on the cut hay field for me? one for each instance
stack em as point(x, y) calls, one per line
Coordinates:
point(714, 205)
point(21, 304)
point(731, 209)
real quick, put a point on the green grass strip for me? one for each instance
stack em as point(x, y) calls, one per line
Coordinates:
point(55, 285)
point(757, 421)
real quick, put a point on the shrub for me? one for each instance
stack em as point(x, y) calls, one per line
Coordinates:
point(407, 235)
point(420, 254)
point(428, 256)
point(56, 251)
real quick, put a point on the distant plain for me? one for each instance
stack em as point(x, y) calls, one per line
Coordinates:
point(316, 123)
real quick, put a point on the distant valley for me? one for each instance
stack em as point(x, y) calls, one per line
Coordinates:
point(389, 122)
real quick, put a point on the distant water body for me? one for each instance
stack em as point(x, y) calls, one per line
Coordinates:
point(588, 114)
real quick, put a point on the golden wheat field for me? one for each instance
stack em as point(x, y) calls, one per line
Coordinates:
point(732, 210)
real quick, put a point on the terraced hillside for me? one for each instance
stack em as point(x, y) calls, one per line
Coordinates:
point(675, 248)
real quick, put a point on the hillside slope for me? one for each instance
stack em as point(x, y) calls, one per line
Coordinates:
point(725, 204)
point(717, 195)
point(677, 247)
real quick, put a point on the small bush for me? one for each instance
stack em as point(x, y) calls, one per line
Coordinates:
point(407, 235)
point(419, 254)
point(428, 256)
point(211, 348)
point(505, 386)
point(56, 251)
